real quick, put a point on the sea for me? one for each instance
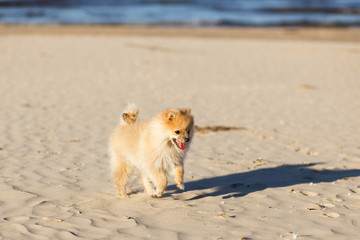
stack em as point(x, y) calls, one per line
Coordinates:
point(197, 13)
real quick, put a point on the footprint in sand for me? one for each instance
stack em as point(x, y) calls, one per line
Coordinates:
point(355, 223)
point(321, 206)
point(185, 196)
point(260, 162)
point(165, 205)
point(224, 215)
point(307, 151)
point(80, 164)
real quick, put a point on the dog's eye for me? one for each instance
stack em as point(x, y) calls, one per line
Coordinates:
point(177, 132)
point(189, 131)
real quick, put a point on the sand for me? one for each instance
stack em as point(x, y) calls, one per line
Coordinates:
point(276, 155)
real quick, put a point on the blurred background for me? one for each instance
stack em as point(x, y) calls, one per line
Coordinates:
point(227, 13)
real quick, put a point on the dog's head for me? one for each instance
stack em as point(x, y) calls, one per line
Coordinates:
point(180, 126)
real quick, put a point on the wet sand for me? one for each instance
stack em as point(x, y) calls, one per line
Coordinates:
point(277, 33)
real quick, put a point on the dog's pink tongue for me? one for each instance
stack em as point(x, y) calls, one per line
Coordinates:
point(181, 145)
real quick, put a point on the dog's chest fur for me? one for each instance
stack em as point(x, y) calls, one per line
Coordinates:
point(168, 157)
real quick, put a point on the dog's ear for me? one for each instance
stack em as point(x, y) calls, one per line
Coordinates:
point(125, 116)
point(171, 115)
point(187, 111)
point(168, 115)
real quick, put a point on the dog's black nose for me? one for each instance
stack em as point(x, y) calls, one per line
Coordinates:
point(187, 139)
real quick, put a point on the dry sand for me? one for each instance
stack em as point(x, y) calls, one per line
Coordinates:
point(284, 159)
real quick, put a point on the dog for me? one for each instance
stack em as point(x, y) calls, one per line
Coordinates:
point(154, 148)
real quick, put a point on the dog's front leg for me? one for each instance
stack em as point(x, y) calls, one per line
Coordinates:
point(179, 177)
point(159, 178)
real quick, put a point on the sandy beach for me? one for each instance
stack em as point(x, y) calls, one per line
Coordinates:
point(277, 149)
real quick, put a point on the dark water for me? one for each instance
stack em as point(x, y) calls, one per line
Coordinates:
point(184, 12)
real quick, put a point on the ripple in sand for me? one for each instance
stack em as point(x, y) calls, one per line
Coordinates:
point(332, 215)
point(258, 195)
point(308, 193)
point(334, 200)
point(49, 209)
point(328, 205)
point(127, 222)
point(306, 87)
point(349, 196)
point(17, 218)
point(355, 206)
point(17, 231)
point(207, 129)
point(316, 207)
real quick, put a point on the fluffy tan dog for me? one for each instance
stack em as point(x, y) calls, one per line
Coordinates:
point(155, 148)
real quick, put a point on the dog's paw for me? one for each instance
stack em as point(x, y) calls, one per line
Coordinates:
point(180, 186)
point(156, 195)
point(124, 196)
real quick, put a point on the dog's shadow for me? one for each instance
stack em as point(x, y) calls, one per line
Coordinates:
point(241, 184)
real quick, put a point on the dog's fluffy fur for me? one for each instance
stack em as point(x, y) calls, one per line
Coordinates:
point(155, 148)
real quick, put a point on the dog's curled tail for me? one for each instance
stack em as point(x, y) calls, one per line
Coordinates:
point(130, 114)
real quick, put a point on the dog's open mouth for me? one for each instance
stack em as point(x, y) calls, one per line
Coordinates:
point(180, 144)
